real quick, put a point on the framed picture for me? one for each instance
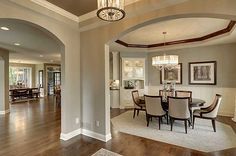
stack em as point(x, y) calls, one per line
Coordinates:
point(172, 75)
point(202, 73)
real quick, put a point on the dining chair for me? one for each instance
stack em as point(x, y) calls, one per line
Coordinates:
point(166, 93)
point(183, 93)
point(139, 104)
point(154, 108)
point(209, 112)
point(179, 110)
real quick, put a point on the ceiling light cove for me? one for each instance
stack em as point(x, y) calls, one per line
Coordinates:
point(5, 28)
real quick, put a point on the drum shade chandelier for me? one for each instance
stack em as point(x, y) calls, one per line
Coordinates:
point(168, 62)
point(111, 10)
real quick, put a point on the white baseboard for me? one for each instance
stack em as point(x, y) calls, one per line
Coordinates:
point(97, 136)
point(85, 132)
point(4, 112)
point(70, 135)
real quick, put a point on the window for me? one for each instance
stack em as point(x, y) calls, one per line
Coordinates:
point(20, 77)
point(41, 78)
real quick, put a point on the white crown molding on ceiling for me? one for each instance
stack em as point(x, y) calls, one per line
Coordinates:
point(56, 9)
point(88, 16)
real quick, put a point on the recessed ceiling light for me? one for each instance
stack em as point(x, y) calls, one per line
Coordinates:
point(5, 28)
point(17, 44)
point(40, 55)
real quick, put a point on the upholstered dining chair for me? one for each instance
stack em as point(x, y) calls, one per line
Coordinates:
point(139, 104)
point(179, 110)
point(166, 93)
point(183, 93)
point(210, 112)
point(154, 108)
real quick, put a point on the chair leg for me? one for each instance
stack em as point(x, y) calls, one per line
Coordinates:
point(167, 119)
point(171, 124)
point(189, 122)
point(186, 126)
point(138, 112)
point(214, 124)
point(193, 122)
point(159, 120)
point(134, 113)
point(148, 119)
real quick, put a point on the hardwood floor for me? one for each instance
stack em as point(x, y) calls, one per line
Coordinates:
point(33, 128)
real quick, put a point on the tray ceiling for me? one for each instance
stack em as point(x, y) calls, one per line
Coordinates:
point(179, 29)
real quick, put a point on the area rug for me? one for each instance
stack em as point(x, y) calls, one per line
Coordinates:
point(104, 152)
point(201, 138)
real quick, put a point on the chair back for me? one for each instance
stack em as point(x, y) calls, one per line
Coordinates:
point(135, 97)
point(154, 105)
point(183, 93)
point(166, 93)
point(179, 107)
point(212, 110)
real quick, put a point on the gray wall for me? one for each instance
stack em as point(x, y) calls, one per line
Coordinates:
point(225, 56)
point(4, 78)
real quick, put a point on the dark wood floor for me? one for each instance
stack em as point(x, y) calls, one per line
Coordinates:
point(33, 128)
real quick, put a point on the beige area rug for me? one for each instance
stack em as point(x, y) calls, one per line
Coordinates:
point(201, 138)
point(104, 152)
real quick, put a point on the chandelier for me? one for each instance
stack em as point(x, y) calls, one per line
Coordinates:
point(111, 10)
point(168, 62)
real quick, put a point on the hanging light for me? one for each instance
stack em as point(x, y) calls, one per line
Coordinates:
point(111, 10)
point(166, 61)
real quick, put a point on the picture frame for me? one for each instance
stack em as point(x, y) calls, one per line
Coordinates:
point(172, 75)
point(203, 73)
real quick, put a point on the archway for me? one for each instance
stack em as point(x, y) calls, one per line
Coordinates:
point(39, 29)
point(140, 25)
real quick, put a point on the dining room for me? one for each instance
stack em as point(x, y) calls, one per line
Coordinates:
point(173, 92)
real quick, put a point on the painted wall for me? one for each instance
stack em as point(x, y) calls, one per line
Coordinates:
point(94, 93)
point(4, 81)
point(226, 73)
point(32, 66)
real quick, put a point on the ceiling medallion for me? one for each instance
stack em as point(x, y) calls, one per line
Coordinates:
point(111, 10)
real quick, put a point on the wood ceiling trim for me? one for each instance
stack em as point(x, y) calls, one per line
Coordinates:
point(191, 40)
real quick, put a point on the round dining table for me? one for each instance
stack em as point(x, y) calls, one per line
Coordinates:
point(193, 103)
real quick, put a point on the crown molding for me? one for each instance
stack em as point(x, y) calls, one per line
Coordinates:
point(56, 9)
point(228, 29)
point(87, 16)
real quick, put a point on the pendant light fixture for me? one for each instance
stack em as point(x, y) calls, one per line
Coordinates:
point(111, 10)
point(166, 61)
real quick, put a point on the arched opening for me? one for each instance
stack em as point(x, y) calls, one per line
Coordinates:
point(136, 27)
point(34, 53)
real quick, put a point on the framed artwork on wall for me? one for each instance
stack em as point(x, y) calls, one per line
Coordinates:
point(172, 75)
point(202, 73)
